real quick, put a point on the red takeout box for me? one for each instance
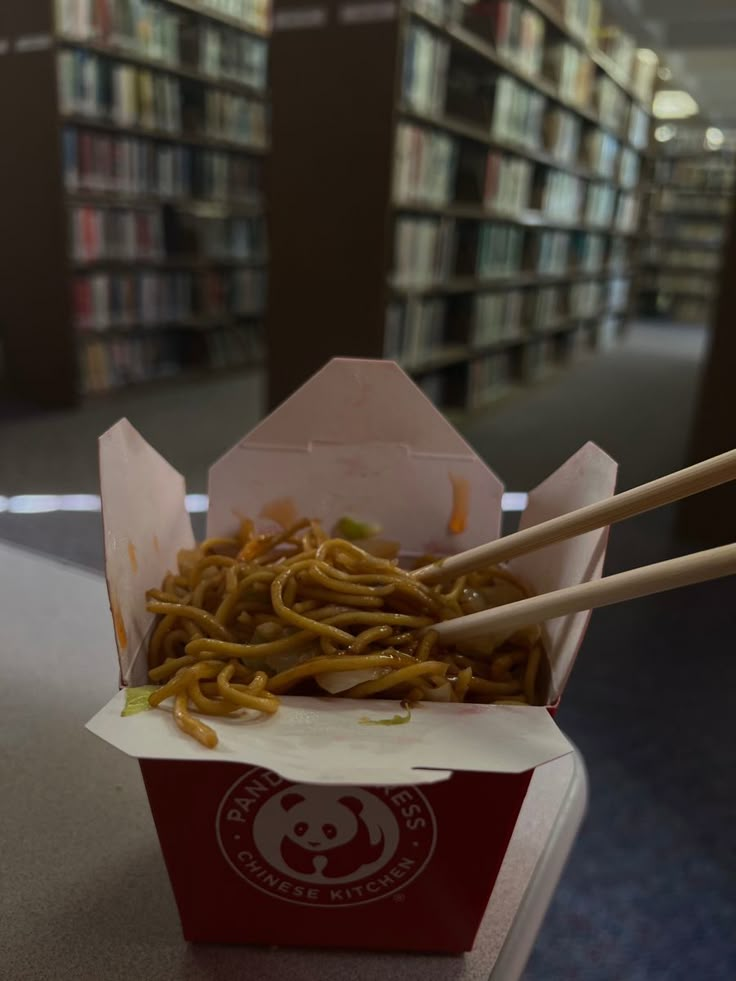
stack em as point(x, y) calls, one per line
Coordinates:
point(420, 814)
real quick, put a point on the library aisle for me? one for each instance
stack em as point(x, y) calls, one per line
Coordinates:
point(624, 909)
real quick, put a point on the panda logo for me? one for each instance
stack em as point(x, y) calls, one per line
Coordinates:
point(333, 843)
point(324, 846)
point(322, 834)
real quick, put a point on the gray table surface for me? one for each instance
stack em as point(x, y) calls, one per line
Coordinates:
point(83, 889)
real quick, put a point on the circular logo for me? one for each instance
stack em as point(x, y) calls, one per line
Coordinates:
point(324, 846)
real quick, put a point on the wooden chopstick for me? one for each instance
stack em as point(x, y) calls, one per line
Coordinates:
point(684, 571)
point(664, 490)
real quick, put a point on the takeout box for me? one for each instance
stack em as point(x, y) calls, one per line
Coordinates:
point(421, 814)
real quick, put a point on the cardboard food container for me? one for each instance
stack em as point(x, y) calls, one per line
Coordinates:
point(421, 814)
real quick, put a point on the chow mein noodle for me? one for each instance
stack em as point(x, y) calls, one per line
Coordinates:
point(249, 618)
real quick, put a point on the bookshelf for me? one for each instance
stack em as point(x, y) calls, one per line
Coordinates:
point(467, 193)
point(690, 202)
point(135, 246)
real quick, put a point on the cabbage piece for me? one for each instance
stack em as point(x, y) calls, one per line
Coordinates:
point(395, 720)
point(354, 529)
point(136, 699)
point(337, 681)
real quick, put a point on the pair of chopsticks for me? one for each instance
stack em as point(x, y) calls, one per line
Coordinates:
point(684, 571)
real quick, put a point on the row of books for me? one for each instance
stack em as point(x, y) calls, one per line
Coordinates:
point(154, 30)
point(571, 70)
point(111, 362)
point(434, 169)
point(223, 52)
point(666, 282)
point(235, 118)
point(424, 73)
point(687, 233)
point(424, 166)
point(139, 234)
point(251, 13)
point(557, 195)
point(514, 111)
point(101, 301)
point(233, 238)
point(428, 249)
point(148, 26)
point(610, 103)
point(549, 252)
point(600, 204)
point(96, 87)
point(499, 250)
point(629, 168)
point(109, 163)
point(587, 251)
point(562, 131)
point(714, 174)
point(496, 317)
point(601, 152)
point(706, 261)
point(414, 330)
point(423, 250)
point(140, 26)
point(420, 328)
point(638, 127)
point(627, 212)
point(492, 178)
point(508, 182)
point(516, 31)
point(116, 233)
point(583, 17)
point(586, 299)
point(674, 203)
point(517, 113)
point(149, 299)
point(544, 307)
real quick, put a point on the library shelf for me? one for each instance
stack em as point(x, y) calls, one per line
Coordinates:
point(208, 12)
point(474, 284)
point(389, 273)
point(141, 60)
point(483, 49)
point(190, 139)
point(61, 203)
point(478, 134)
point(526, 218)
point(206, 207)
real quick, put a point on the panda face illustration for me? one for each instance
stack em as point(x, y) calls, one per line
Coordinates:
point(310, 826)
point(326, 834)
point(324, 845)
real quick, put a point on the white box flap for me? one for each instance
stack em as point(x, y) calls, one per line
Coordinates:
point(587, 477)
point(359, 438)
point(321, 740)
point(145, 523)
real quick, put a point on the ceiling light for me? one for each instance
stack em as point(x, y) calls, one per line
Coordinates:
point(663, 134)
point(713, 138)
point(674, 104)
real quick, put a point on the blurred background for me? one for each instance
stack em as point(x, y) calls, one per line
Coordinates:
point(529, 205)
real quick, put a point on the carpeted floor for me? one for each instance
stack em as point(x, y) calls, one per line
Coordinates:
point(650, 891)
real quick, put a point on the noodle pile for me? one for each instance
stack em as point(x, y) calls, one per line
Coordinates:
point(249, 618)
